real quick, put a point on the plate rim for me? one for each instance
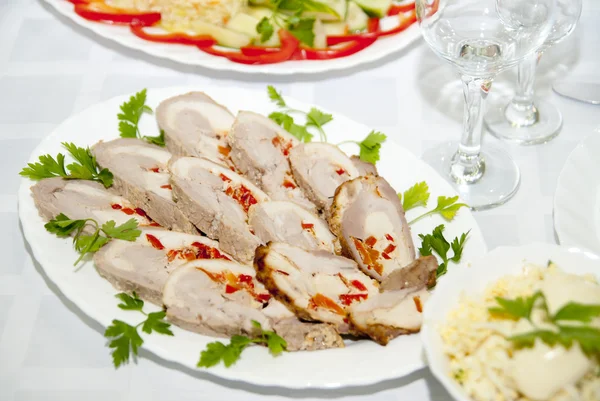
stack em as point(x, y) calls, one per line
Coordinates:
point(228, 374)
point(304, 67)
point(428, 331)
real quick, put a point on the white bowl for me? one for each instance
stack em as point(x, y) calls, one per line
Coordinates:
point(474, 278)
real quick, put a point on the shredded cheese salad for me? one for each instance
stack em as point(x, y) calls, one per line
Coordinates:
point(485, 348)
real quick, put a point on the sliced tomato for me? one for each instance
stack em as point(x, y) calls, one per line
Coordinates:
point(99, 11)
point(137, 28)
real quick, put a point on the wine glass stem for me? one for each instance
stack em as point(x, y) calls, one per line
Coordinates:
point(467, 165)
point(521, 111)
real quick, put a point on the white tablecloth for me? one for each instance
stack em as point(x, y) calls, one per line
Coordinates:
point(50, 68)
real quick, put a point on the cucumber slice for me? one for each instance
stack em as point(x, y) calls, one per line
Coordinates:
point(259, 12)
point(320, 35)
point(339, 6)
point(335, 28)
point(223, 36)
point(377, 8)
point(243, 23)
point(357, 19)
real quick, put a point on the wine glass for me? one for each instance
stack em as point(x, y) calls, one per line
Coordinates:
point(481, 38)
point(524, 119)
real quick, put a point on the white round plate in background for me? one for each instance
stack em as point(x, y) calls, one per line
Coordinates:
point(473, 278)
point(191, 56)
point(361, 362)
point(577, 197)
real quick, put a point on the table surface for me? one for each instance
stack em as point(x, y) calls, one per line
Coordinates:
point(50, 69)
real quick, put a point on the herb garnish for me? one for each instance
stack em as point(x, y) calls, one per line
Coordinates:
point(437, 242)
point(124, 338)
point(62, 226)
point(129, 118)
point(84, 167)
point(216, 352)
point(418, 196)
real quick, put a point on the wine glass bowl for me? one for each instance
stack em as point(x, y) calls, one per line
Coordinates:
point(481, 38)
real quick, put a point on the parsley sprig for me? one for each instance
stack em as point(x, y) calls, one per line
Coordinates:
point(129, 118)
point(436, 242)
point(586, 336)
point(124, 338)
point(418, 196)
point(314, 118)
point(216, 352)
point(369, 147)
point(83, 168)
point(63, 226)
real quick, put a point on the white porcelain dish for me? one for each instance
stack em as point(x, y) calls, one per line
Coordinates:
point(473, 278)
point(192, 56)
point(577, 197)
point(360, 363)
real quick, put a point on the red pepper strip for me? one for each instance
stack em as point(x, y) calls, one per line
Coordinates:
point(254, 51)
point(289, 44)
point(137, 29)
point(372, 27)
point(405, 22)
point(101, 12)
point(400, 8)
point(343, 50)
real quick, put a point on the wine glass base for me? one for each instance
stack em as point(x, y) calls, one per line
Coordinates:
point(496, 186)
point(547, 128)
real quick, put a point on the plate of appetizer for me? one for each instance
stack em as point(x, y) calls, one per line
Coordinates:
point(204, 224)
point(521, 323)
point(577, 197)
point(254, 36)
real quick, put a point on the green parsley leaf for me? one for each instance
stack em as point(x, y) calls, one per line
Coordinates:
point(303, 30)
point(446, 207)
point(127, 231)
point(287, 122)
point(212, 355)
point(317, 118)
point(62, 226)
point(125, 340)
point(577, 312)
point(84, 168)
point(275, 96)
point(588, 337)
point(436, 242)
point(155, 322)
point(275, 343)
point(265, 29)
point(157, 140)
point(370, 147)
point(415, 196)
point(129, 118)
point(516, 309)
point(300, 132)
point(130, 302)
point(528, 339)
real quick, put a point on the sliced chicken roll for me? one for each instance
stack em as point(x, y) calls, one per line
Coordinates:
point(316, 285)
point(420, 273)
point(259, 149)
point(288, 222)
point(367, 217)
point(82, 199)
point(140, 175)
point(319, 168)
point(217, 201)
point(196, 125)
point(215, 297)
point(143, 266)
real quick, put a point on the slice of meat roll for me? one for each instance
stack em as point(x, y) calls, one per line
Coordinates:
point(288, 222)
point(319, 168)
point(195, 125)
point(82, 199)
point(217, 200)
point(140, 175)
point(144, 265)
point(368, 218)
point(260, 150)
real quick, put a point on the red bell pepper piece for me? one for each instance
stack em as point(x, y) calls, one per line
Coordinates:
point(254, 51)
point(344, 50)
point(99, 11)
point(137, 29)
point(401, 8)
point(289, 45)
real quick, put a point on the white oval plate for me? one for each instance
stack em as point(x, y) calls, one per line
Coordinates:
point(360, 363)
point(191, 56)
point(577, 197)
point(473, 278)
